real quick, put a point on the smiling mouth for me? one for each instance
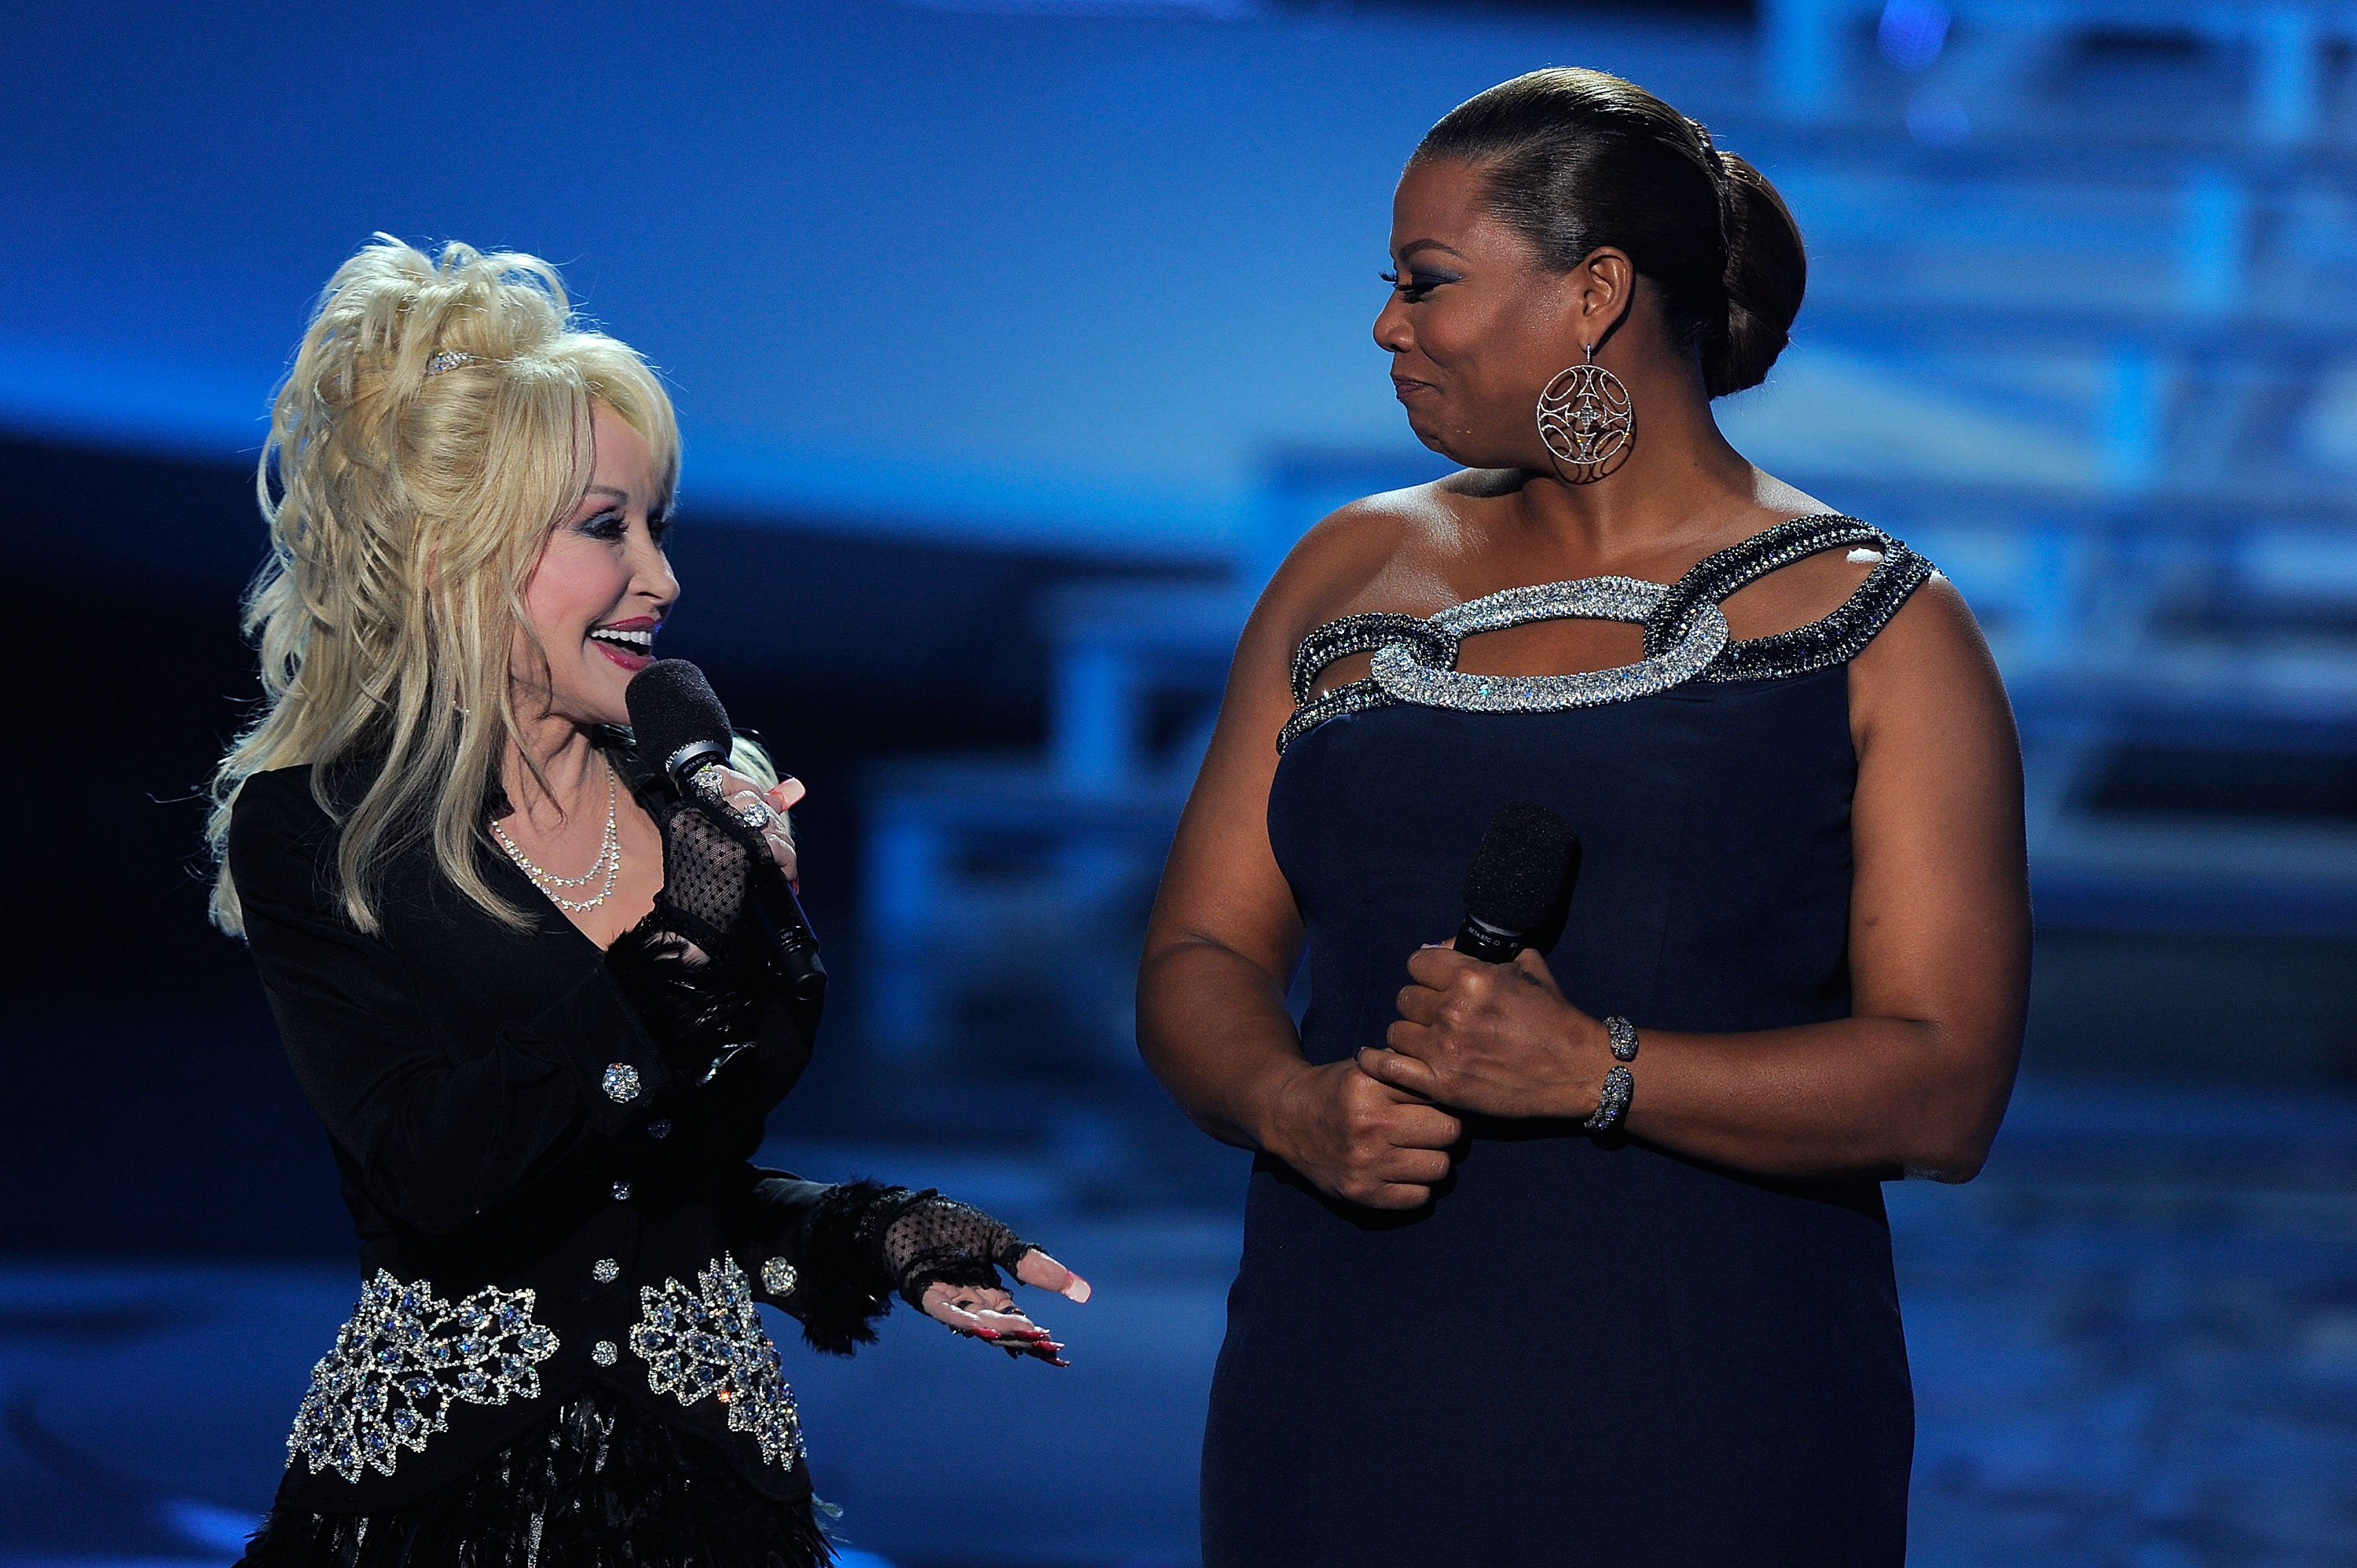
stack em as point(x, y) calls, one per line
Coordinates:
point(633, 649)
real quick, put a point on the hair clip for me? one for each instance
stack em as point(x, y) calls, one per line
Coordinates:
point(448, 359)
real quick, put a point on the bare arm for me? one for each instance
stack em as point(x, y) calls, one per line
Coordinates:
point(1918, 1077)
point(1224, 942)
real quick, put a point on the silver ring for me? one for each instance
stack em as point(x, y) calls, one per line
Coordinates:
point(757, 817)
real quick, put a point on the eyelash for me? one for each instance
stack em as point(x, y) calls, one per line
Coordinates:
point(1415, 292)
point(611, 525)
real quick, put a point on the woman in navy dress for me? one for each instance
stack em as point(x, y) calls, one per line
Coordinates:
point(1582, 1257)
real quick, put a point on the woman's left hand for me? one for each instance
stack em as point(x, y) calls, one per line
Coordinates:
point(741, 795)
point(989, 1314)
point(1494, 1038)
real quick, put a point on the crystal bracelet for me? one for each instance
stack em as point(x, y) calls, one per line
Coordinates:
point(1612, 1102)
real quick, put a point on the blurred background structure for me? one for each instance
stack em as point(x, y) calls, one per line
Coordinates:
point(1014, 342)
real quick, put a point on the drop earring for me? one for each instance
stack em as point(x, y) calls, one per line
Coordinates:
point(1586, 421)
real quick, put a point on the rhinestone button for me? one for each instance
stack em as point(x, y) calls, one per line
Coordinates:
point(622, 1083)
point(778, 1277)
point(658, 1128)
point(603, 1353)
point(622, 1192)
point(605, 1271)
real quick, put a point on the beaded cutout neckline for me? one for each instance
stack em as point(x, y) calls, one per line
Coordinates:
point(1685, 633)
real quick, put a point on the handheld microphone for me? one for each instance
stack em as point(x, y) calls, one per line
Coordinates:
point(1521, 878)
point(677, 721)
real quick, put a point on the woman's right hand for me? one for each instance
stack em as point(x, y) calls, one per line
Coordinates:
point(1359, 1139)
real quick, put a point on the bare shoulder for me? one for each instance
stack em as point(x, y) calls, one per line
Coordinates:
point(1929, 669)
point(1380, 552)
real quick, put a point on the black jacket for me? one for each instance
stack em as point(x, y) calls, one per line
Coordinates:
point(542, 1199)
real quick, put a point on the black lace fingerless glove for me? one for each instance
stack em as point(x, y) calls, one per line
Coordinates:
point(938, 1241)
point(693, 969)
point(865, 1242)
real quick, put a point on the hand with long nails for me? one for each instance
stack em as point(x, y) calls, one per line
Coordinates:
point(989, 1314)
point(762, 810)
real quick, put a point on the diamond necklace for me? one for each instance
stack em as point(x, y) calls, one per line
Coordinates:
point(609, 861)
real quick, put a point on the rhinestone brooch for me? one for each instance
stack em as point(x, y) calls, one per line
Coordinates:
point(621, 1083)
point(778, 1276)
point(603, 1353)
point(404, 1358)
point(710, 1341)
point(605, 1271)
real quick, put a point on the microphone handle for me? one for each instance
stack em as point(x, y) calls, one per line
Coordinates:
point(1491, 944)
point(794, 946)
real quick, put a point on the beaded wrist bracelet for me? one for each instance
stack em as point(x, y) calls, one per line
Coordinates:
point(1619, 1084)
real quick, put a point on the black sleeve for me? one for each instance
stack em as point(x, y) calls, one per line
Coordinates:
point(829, 1236)
point(436, 1140)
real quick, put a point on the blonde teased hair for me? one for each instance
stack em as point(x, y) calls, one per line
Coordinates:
point(411, 505)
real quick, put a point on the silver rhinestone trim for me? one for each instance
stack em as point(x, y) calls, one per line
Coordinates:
point(710, 1341)
point(1355, 698)
point(605, 1353)
point(1837, 639)
point(1404, 643)
point(400, 1363)
point(778, 1276)
point(605, 1271)
point(621, 1083)
point(1403, 677)
point(1363, 634)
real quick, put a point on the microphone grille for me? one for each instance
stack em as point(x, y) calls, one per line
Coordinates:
point(672, 705)
point(1518, 874)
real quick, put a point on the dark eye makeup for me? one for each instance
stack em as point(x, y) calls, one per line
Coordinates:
point(610, 526)
point(1415, 287)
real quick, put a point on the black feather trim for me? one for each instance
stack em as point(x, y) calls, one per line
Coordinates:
point(693, 1011)
point(843, 1287)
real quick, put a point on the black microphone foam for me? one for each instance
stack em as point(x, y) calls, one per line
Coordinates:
point(673, 708)
point(1518, 875)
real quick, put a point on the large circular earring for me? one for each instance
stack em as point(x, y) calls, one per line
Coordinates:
point(1588, 421)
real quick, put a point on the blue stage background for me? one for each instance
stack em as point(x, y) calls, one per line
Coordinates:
point(1013, 341)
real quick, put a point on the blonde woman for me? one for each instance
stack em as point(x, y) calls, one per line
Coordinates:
point(517, 980)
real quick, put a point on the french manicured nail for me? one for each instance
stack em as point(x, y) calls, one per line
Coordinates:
point(1079, 1289)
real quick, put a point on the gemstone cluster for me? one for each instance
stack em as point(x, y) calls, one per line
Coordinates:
point(400, 1363)
point(710, 1341)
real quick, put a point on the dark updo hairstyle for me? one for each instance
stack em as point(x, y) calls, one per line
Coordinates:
point(1578, 159)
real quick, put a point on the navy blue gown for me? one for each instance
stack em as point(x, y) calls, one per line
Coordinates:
point(1585, 1350)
